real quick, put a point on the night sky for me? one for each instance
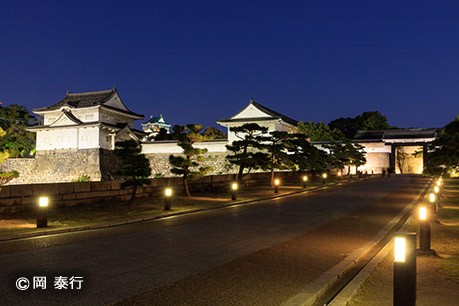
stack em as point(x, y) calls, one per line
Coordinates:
point(199, 61)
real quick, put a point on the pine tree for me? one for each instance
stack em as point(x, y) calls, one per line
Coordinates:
point(304, 156)
point(5, 177)
point(188, 165)
point(276, 146)
point(134, 166)
point(247, 150)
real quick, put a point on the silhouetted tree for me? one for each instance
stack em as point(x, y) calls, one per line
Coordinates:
point(443, 153)
point(304, 156)
point(134, 166)
point(319, 131)
point(214, 133)
point(246, 152)
point(373, 120)
point(188, 165)
point(276, 146)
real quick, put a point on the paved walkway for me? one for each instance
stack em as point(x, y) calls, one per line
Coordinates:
point(264, 253)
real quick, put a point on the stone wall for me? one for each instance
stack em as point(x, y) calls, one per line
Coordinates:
point(16, 198)
point(55, 166)
point(160, 166)
point(62, 166)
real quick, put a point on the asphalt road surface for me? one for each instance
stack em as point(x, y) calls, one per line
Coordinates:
point(258, 254)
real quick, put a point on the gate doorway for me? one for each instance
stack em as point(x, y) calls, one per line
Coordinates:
point(409, 159)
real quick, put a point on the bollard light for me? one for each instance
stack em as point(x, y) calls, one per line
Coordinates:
point(305, 179)
point(424, 229)
point(432, 197)
point(276, 185)
point(42, 212)
point(324, 176)
point(436, 189)
point(422, 213)
point(167, 198)
point(404, 269)
point(399, 249)
point(234, 188)
point(339, 175)
point(438, 183)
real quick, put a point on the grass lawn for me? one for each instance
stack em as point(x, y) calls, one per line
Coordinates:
point(99, 213)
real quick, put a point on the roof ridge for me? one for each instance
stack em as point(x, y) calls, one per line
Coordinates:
point(92, 92)
point(274, 113)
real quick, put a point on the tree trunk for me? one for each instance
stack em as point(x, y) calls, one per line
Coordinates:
point(241, 167)
point(134, 190)
point(185, 185)
point(239, 175)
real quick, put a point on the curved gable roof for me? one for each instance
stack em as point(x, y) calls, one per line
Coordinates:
point(88, 99)
point(271, 114)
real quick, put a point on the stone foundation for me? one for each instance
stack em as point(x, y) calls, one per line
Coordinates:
point(160, 166)
point(55, 166)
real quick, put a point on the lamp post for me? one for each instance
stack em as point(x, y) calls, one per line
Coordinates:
point(42, 212)
point(405, 269)
point(276, 185)
point(234, 187)
point(424, 229)
point(167, 198)
point(324, 176)
point(305, 179)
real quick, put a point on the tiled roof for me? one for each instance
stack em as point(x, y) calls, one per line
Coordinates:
point(396, 134)
point(81, 100)
point(86, 99)
point(272, 113)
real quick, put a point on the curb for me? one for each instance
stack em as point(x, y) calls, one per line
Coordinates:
point(351, 290)
point(165, 215)
point(312, 293)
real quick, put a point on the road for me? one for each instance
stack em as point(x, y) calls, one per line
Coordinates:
point(259, 254)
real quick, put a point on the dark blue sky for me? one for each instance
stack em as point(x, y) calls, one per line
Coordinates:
point(199, 61)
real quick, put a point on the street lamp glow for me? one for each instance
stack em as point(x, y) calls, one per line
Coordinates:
point(305, 178)
point(276, 182)
point(399, 249)
point(339, 173)
point(423, 213)
point(436, 189)
point(168, 192)
point(324, 175)
point(234, 186)
point(438, 183)
point(43, 202)
point(432, 197)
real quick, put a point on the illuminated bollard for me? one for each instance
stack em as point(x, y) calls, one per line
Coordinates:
point(234, 187)
point(433, 206)
point(424, 229)
point(405, 269)
point(324, 176)
point(305, 179)
point(339, 175)
point(167, 198)
point(276, 185)
point(42, 212)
